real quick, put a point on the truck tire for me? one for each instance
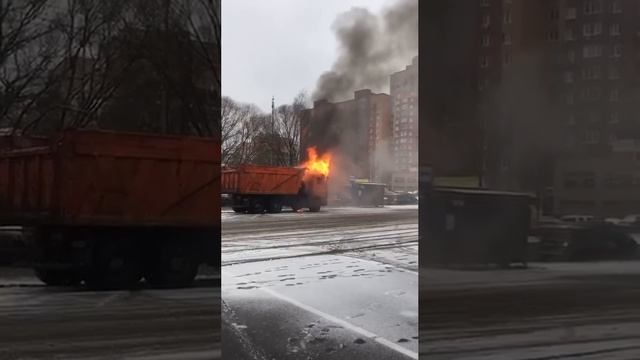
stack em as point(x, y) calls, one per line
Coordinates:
point(314, 208)
point(174, 266)
point(275, 206)
point(238, 210)
point(117, 265)
point(256, 206)
point(58, 277)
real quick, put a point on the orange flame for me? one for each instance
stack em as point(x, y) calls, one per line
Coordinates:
point(317, 165)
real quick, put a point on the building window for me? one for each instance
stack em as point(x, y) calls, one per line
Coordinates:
point(484, 61)
point(570, 99)
point(568, 77)
point(486, 20)
point(486, 40)
point(614, 30)
point(484, 84)
point(553, 35)
point(591, 73)
point(613, 118)
point(614, 95)
point(554, 14)
point(617, 51)
point(571, 14)
point(592, 29)
point(591, 137)
point(507, 57)
point(507, 16)
point(592, 7)
point(592, 51)
point(613, 73)
point(571, 56)
point(569, 35)
point(486, 3)
point(615, 7)
point(579, 180)
point(506, 38)
point(591, 93)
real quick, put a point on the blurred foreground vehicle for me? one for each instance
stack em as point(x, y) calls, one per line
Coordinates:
point(108, 209)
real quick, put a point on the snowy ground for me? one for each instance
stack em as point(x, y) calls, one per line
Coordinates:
point(341, 283)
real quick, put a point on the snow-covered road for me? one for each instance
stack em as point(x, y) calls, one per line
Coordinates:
point(340, 283)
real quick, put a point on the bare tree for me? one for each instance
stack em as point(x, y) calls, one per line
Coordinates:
point(90, 68)
point(238, 128)
point(180, 42)
point(284, 133)
point(26, 55)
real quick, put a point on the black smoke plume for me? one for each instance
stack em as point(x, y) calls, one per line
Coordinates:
point(371, 48)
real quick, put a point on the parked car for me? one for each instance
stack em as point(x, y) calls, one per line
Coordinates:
point(406, 199)
point(632, 219)
point(600, 241)
point(577, 218)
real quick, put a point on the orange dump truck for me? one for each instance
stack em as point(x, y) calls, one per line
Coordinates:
point(109, 209)
point(259, 189)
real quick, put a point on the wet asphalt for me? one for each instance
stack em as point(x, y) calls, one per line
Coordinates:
point(38, 322)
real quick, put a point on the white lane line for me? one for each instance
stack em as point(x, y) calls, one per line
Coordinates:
point(347, 325)
point(108, 300)
point(194, 355)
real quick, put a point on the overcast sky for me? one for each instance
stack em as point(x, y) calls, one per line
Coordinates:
point(279, 47)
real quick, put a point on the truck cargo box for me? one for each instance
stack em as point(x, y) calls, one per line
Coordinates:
point(112, 179)
point(8, 142)
point(262, 180)
point(475, 226)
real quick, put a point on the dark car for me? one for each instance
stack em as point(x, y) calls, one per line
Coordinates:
point(600, 241)
point(406, 199)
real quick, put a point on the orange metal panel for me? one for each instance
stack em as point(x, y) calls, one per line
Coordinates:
point(262, 180)
point(107, 178)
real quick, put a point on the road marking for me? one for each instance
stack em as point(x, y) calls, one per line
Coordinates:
point(195, 355)
point(108, 299)
point(347, 325)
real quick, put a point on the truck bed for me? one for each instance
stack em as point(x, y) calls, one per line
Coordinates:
point(262, 180)
point(112, 179)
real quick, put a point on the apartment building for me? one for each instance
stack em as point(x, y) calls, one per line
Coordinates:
point(405, 143)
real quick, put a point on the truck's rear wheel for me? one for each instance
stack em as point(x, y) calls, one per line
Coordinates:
point(275, 206)
point(58, 277)
point(239, 210)
point(117, 265)
point(175, 265)
point(314, 208)
point(256, 206)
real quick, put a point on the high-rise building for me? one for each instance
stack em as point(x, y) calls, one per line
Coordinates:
point(600, 72)
point(448, 87)
point(404, 108)
point(532, 79)
point(356, 131)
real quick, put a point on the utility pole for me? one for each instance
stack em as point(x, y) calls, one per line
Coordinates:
point(272, 136)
